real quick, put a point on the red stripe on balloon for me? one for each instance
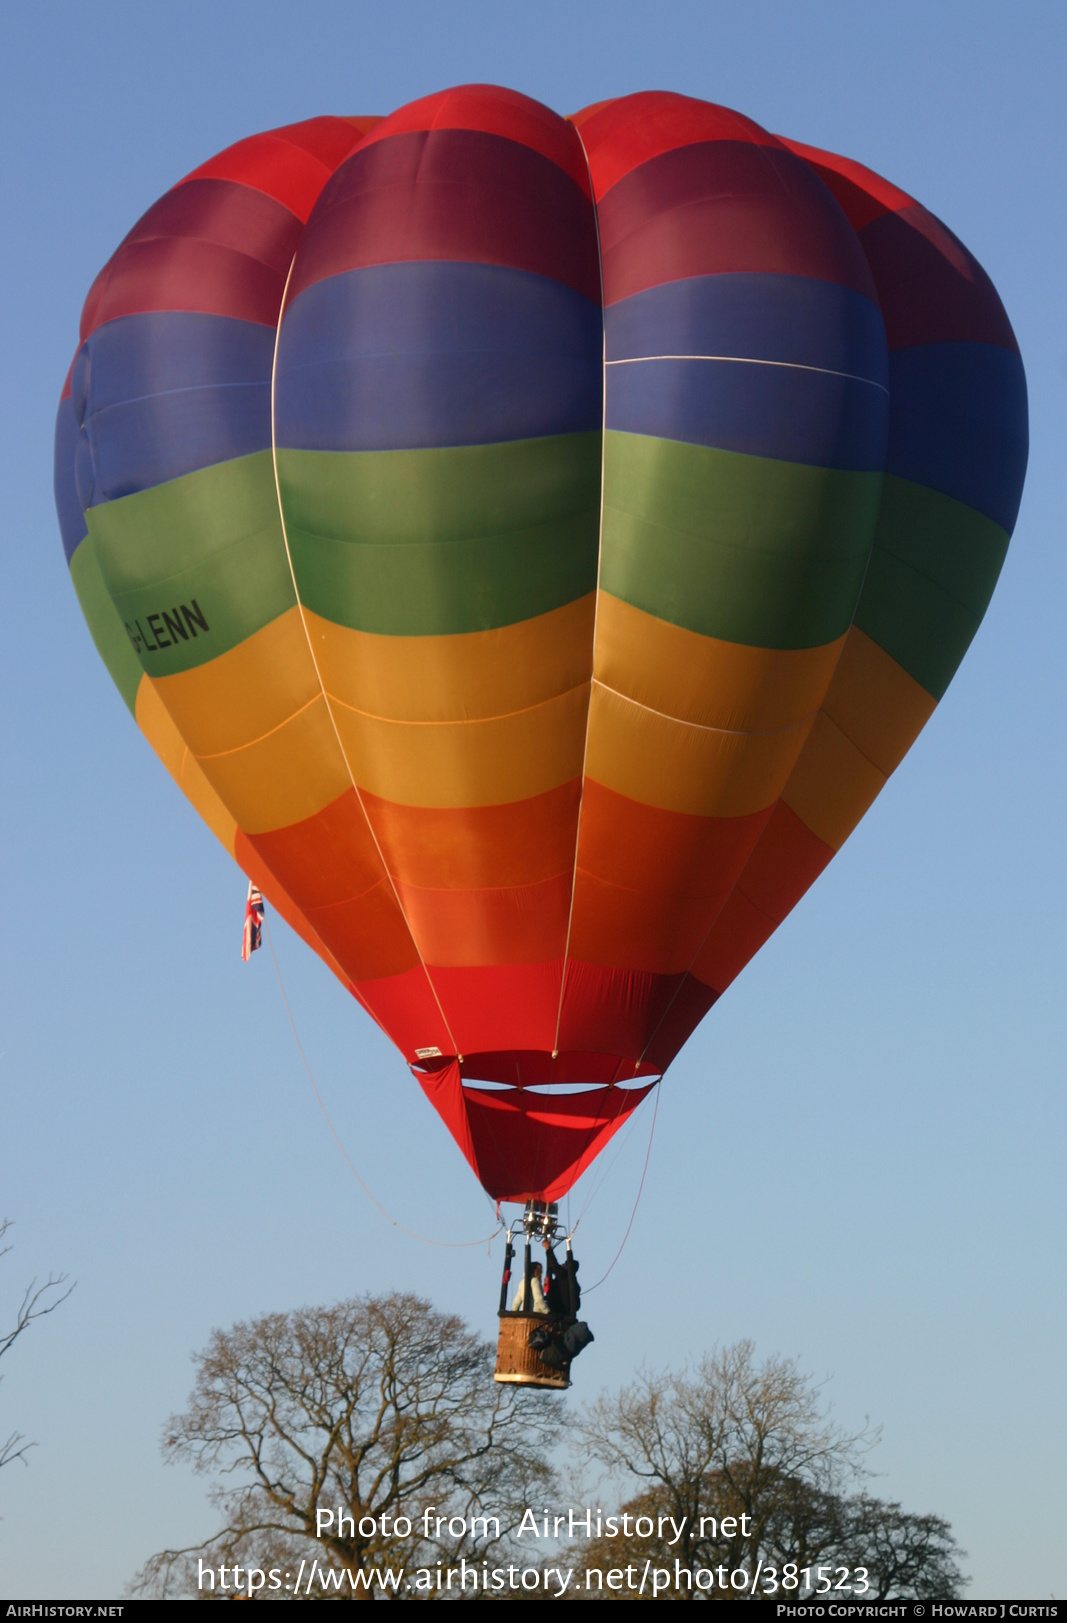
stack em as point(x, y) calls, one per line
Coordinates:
point(226, 214)
point(222, 240)
point(619, 136)
point(459, 195)
point(720, 207)
point(501, 1006)
point(551, 1138)
point(291, 164)
point(405, 1008)
point(613, 1010)
point(931, 289)
point(686, 1009)
point(862, 194)
point(181, 273)
point(536, 1068)
point(786, 861)
point(494, 111)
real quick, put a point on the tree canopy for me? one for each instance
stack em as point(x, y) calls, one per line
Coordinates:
point(365, 1434)
point(370, 1437)
point(741, 1469)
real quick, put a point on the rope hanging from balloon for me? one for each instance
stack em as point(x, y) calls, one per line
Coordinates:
point(637, 1202)
point(448, 1245)
point(486, 1239)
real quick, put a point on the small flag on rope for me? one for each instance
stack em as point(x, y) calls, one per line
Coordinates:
point(253, 922)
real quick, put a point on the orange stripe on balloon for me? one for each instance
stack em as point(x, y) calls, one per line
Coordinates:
point(651, 882)
point(475, 847)
point(738, 934)
point(472, 928)
point(252, 863)
point(245, 693)
point(872, 714)
point(329, 865)
point(467, 763)
point(633, 930)
point(662, 852)
point(285, 777)
point(833, 783)
point(324, 858)
point(366, 934)
point(787, 859)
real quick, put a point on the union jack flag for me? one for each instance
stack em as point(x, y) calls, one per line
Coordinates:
point(253, 922)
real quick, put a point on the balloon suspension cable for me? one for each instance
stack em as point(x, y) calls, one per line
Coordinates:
point(603, 1172)
point(637, 1202)
point(449, 1245)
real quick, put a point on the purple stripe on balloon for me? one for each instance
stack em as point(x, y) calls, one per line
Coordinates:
point(167, 393)
point(394, 357)
point(958, 424)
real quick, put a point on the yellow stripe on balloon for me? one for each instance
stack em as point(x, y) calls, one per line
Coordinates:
point(703, 679)
point(164, 737)
point(245, 693)
point(289, 774)
point(872, 714)
point(467, 763)
point(707, 772)
point(461, 677)
point(876, 703)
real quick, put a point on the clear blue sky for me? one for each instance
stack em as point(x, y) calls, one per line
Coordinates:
point(859, 1157)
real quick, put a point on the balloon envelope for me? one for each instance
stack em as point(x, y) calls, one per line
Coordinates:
point(531, 544)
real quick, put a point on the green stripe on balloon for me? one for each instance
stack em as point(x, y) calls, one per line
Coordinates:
point(932, 573)
point(105, 624)
point(432, 542)
point(202, 555)
point(747, 549)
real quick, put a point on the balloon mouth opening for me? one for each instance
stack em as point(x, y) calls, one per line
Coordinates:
point(537, 1070)
point(533, 1137)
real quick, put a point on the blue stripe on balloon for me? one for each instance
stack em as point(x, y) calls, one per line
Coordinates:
point(761, 409)
point(435, 353)
point(170, 392)
point(69, 508)
point(959, 424)
point(758, 315)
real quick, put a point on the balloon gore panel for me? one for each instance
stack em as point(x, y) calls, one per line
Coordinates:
point(531, 544)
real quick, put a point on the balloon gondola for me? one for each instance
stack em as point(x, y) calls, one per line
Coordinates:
point(531, 543)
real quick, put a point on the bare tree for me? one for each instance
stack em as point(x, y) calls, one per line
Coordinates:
point(363, 1436)
point(742, 1471)
point(815, 1542)
point(907, 1556)
point(38, 1301)
point(723, 1438)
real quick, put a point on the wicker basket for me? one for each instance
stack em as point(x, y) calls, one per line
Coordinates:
point(516, 1361)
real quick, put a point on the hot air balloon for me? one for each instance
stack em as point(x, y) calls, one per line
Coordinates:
point(531, 543)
